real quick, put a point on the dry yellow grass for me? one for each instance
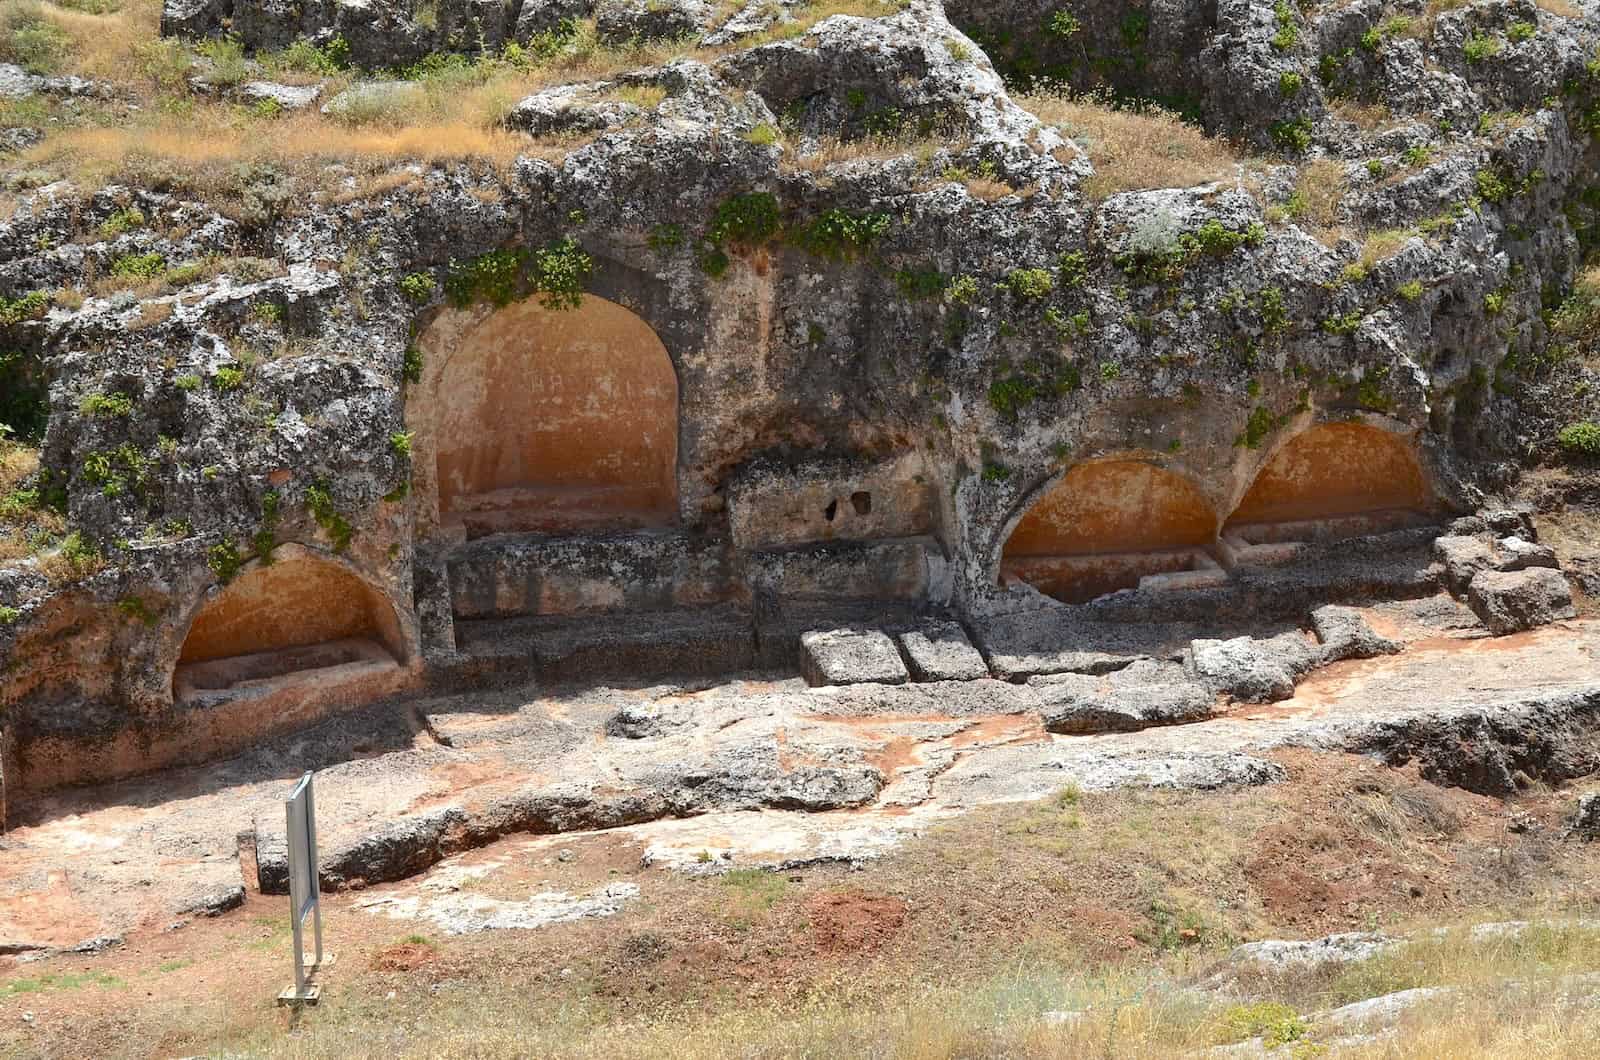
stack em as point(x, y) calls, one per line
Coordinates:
point(1363, 115)
point(1318, 190)
point(1508, 1000)
point(23, 528)
point(1559, 7)
point(1135, 150)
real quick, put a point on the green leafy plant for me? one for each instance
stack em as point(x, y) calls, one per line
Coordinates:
point(224, 560)
point(1481, 46)
point(139, 267)
point(840, 236)
point(1288, 33)
point(1289, 83)
point(750, 220)
point(411, 365)
point(418, 287)
point(125, 220)
point(1580, 439)
point(1029, 285)
point(106, 405)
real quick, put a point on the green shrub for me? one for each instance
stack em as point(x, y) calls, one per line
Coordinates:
point(763, 135)
point(411, 365)
point(1411, 290)
point(30, 39)
point(963, 290)
point(228, 65)
point(1029, 285)
point(1287, 33)
point(1062, 23)
point(400, 443)
point(560, 273)
point(1580, 439)
point(750, 220)
point(418, 287)
point(139, 267)
point(30, 306)
point(227, 378)
point(320, 501)
point(1343, 323)
point(224, 561)
point(492, 277)
point(1519, 31)
point(1491, 185)
point(1272, 1021)
point(1416, 155)
point(1293, 135)
point(106, 405)
point(840, 236)
point(1375, 167)
point(1481, 46)
point(1289, 83)
point(8, 615)
point(122, 221)
point(187, 382)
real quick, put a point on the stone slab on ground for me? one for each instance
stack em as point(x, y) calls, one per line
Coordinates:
point(1055, 640)
point(940, 651)
point(1142, 694)
point(851, 657)
point(1512, 601)
point(1251, 670)
point(1346, 634)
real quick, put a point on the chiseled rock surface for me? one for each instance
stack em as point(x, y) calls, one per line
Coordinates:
point(850, 657)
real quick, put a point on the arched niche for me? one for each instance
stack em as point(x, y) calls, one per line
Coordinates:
point(1112, 524)
point(1333, 480)
point(302, 612)
point(554, 421)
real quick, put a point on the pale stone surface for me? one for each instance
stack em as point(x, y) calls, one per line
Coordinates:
point(851, 656)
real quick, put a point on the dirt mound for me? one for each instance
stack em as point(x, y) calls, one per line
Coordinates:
point(853, 921)
point(403, 957)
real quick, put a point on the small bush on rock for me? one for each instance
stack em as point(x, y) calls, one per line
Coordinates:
point(1580, 439)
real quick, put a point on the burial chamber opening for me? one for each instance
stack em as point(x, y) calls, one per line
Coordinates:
point(300, 613)
point(558, 421)
point(1332, 481)
point(1109, 525)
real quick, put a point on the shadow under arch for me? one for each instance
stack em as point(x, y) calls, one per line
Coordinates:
point(1110, 524)
point(1332, 480)
point(551, 421)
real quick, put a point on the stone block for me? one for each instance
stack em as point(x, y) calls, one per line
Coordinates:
point(940, 651)
point(1511, 601)
point(851, 657)
point(1143, 694)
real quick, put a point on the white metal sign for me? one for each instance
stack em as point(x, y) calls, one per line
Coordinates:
point(305, 888)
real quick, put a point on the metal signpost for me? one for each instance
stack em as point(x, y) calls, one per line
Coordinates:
point(305, 891)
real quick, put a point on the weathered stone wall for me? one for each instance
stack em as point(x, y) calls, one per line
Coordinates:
point(949, 330)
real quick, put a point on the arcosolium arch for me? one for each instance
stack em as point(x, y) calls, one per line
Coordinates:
point(553, 420)
point(1105, 525)
point(1351, 472)
point(300, 612)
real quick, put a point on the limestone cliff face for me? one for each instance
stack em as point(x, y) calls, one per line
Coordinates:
point(877, 363)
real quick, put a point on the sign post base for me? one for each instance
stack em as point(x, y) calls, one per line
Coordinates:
point(291, 996)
